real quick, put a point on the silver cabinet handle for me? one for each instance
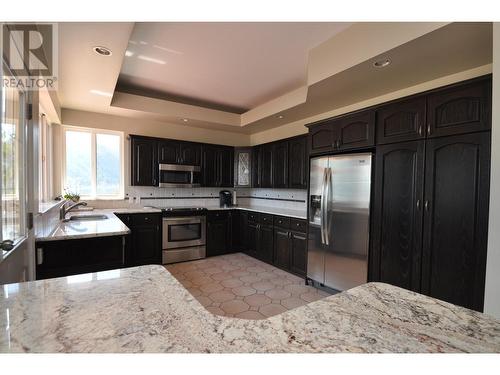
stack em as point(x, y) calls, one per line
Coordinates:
point(428, 129)
point(39, 255)
point(426, 205)
point(418, 204)
point(420, 130)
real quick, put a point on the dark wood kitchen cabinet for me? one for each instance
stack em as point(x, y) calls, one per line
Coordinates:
point(298, 253)
point(265, 242)
point(347, 132)
point(280, 165)
point(297, 163)
point(178, 152)
point(401, 121)
point(281, 248)
point(430, 217)
point(143, 243)
point(219, 230)
point(259, 236)
point(397, 214)
point(290, 244)
point(217, 166)
point(457, 175)
point(460, 108)
point(266, 165)
point(72, 257)
point(144, 161)
point(256, 166)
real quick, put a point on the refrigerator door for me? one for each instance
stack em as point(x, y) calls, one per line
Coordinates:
point(317, 219)
point(348, 217)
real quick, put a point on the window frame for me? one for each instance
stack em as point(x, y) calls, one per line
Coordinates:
point(93, 153)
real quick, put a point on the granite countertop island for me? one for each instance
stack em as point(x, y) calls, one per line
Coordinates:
point(145, 309)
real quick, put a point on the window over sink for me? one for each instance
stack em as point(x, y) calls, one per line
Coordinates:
point(93, 163)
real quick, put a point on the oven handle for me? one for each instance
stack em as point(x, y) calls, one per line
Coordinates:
point(184, 220)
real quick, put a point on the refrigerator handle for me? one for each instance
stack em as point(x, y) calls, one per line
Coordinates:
point(323, 206)
point(327, 196)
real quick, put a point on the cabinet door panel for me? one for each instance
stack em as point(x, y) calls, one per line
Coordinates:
point(460, 109)
point(280, 165)
point(266, 166)
point(298, 256)
point(209, 166)
point(281, 248)
point(225, 167)
point(456, 219)
point(218, 233)
point(297, 163)
point(190, 153)
point(397, 215)
point(256, 166)
point(252, 238)
point(357, 130)
point(169, 152)
point(144, 162)
point(321, 138)
point(265, 248)
point(401, 121)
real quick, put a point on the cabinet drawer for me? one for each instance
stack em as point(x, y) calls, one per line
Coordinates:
point(298, 225)
point(218, 214)
point(253, 217)
point(266, 219)
point(141, 219)
point(282, 222)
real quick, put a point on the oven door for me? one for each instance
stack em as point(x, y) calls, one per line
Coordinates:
point(172, 175)
point(184, 232)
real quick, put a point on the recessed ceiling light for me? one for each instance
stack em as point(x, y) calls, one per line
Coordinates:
point(103, 51)
point(150, 59)
point(280, 116)
point(382, 63)
point(185, 120)
point(129, 53)
point(101, 93)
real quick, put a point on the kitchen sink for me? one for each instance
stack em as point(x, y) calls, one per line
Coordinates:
point(86, 218)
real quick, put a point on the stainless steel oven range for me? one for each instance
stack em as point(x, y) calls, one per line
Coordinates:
point(184, 234)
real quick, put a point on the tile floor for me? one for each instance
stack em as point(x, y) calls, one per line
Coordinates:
point(237, 285)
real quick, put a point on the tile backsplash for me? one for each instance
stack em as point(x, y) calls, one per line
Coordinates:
point(140, 196)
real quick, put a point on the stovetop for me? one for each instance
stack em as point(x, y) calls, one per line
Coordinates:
point(181, 210)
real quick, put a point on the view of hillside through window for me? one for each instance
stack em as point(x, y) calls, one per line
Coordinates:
point(93, 163)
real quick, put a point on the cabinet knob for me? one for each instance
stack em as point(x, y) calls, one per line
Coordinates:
point(418, 204)
point(426, 205)
point(428, 129)
point(420, 130)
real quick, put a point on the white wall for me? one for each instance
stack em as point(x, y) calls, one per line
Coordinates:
point(492, 289)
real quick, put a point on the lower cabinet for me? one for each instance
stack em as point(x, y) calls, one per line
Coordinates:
point(219, 233)
point(143, 243)
point(71, 257)
point(290, 251)
point(281, 248)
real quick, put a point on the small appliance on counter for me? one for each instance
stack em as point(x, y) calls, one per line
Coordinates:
point(225, 198)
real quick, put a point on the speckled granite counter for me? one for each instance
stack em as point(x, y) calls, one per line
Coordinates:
point(145, 309)
point(112, 226)
point(298, 214)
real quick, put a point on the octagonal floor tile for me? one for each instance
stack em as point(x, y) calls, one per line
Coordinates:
point(257, 300)
point(293, 302)
point(250, 315)
point(272, 309)
point(244, 291)
point(234, 307)
point(231, 283)
point(211, 287)
point(221, 296)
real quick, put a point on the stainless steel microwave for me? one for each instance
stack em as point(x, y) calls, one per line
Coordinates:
point(174, 175)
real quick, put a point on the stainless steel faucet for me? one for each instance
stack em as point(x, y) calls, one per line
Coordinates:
point(63, 211)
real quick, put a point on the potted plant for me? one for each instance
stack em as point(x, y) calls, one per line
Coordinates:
point(71, 196)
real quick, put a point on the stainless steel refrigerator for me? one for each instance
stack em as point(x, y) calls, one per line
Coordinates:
point(339, 217)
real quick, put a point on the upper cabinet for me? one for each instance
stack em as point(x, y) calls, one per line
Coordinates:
point(178, 152)
point(297, 163)
point(344, 133)
point(280, 165)
point(144, 161)
point(266, 165)
point(459, 109)
point(217, 166)
point(401, 121)
point(243, 167)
